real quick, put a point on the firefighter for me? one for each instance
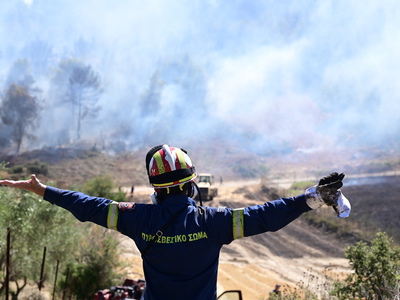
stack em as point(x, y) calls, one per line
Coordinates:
point(179, 241)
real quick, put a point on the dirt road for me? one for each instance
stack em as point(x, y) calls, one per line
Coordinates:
point(254, 265)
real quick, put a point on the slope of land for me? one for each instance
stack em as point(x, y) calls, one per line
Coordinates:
point(255, 264)
point(295, 253)
point(299, 253)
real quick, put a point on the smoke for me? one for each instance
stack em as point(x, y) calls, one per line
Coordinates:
point(268, 75)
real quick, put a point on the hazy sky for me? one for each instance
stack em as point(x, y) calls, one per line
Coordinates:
point(296, 74)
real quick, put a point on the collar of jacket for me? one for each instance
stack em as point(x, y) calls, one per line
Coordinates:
point(179, 200)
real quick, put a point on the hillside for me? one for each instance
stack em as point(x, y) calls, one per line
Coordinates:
point(72, 167)
point(313, 244)
point(299, 252)
point(370, 181)
point(256, 264)
point(69, 167)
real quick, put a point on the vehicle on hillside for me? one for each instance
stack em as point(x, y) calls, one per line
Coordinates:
point(205, 182)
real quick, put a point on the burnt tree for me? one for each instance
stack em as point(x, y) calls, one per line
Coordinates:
point(20, 111)
point(83, 92)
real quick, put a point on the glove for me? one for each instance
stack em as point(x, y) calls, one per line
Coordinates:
point(327, 191)
point(328, 187)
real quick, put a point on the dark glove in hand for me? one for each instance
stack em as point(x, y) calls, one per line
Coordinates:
point(328, 187)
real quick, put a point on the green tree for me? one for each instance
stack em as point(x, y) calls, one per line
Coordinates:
point(93, 258)
point(34, 224)
point(20, 111)
point(3, 166)
point(103, 186)
point(376, 271)
point(98, 266)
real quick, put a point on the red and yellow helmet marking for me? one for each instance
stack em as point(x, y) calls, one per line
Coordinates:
point(169, 159)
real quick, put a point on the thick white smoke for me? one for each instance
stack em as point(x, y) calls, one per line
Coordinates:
point(284, 75)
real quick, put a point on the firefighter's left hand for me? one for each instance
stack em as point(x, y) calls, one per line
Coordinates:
point(329, 188)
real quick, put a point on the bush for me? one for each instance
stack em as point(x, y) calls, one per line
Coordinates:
point(376, 271)
point(100, 186)
point(3, 165)
point(33, 224)
point(37, 168)
point(98, 267)
point(16, 170)
point(103, 186)
point(300, 187)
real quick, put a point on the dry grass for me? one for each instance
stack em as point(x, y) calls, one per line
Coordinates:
point(374, 206)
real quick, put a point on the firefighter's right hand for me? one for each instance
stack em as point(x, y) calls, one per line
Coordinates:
point(327, 191)
point(31, 185)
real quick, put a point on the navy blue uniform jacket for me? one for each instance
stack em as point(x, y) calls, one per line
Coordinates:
point(183, 263)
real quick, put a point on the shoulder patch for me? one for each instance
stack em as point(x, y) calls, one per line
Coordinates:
point(127, 206)
point(221, 208)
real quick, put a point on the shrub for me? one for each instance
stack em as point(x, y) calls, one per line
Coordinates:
point(16, 170)
point(103, 186)
point(3, 167)
point(100, 186)
point(300, 187)
point(376, 271)
point(37, 168)
point(97, 267)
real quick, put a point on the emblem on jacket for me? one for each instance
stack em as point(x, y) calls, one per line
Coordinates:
point(127, 206)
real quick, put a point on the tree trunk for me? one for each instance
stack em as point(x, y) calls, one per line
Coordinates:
point(18, 136)
point(19, 289)
point(78, 131)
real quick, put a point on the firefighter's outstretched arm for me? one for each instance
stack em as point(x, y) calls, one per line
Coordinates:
point(83, 207)
point(31, 185)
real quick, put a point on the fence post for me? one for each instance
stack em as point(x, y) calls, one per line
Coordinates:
point(42, 270)
point(7, 279)
point(55, 279)
point(65, 286)
point(71, 287)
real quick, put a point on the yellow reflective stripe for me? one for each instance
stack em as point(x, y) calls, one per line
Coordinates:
point(170, 184)
point(181, 158)
point(238, 223)
point(112, 218)
point(159, 162)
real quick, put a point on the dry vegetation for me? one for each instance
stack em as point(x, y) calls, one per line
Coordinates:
point(315, 241)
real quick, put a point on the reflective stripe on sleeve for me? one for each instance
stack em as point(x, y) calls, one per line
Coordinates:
point(238, 223)
point(112, 217)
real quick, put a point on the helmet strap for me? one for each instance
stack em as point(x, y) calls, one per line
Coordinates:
point(195, 192)
point(192, 189)
point(154, 198)
point(157, 197)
